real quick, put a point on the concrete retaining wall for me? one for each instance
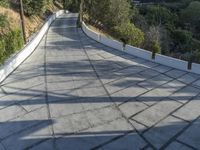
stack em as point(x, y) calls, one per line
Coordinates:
point(12, 63)
point(110, 42)
point(171, 62)
point(147, 55)
point(90, 33)
point(102, 39)
point(138, 52)
point(195, 68)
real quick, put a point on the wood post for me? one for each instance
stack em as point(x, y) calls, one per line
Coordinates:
point(22, 21)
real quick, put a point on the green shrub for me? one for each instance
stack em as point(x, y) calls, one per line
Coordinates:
point(190, 18)
point(107, 13)
point(3, 22)
point(33, 7)
point(153, 39)
point(155, 47)
point(119, 13)
point(192, 13)
point(176, 5)
point(195, 45)
point(158, 15)
point(140, 22)
point(4, 3)
point(2, 49)
point(14, 42)
point(182, 40)
point(165, 41)
point(129, 33)
point(71, 5)
point(196, 56)
point(10, 43)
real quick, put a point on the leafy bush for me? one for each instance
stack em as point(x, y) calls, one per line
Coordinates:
point(33, 7)
point(2, 49)
point(158, 15)
point(108, 13)
point(197, 30)
point(165, 41)
point(14, 42)
point(192, 13)
point(143, 10)
point(140, 22)
point(190, 17)
point(196, 56)
point(182, 40)
point(155, 47)
point(10, 43)
point(195, 45)
point(152, 39)
point(196, 50)
point(4, 3)
point(129, 33)
point(71, 5)
point(177, 5)
point(3, 23)
point(119, 13)
point(97, 11)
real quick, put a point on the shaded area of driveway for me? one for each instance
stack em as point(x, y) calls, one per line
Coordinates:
point(76, 94)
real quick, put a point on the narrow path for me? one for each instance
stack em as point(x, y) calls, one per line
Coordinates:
point(76, 94)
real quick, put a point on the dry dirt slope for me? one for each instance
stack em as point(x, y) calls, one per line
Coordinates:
point(32, 23)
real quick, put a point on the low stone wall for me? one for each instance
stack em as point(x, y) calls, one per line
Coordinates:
point(13, 62)
point(141, 53)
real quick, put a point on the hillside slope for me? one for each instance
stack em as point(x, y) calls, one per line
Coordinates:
point(11, 39)
point(32, 23)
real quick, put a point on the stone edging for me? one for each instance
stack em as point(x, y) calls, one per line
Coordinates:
point(14, 61)
point(141, 53)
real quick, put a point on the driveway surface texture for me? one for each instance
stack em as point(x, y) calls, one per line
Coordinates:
point(73, 93)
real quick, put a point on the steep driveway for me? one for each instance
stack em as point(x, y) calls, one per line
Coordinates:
point(73, 93)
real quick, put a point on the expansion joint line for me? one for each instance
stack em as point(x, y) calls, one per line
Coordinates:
point(46, 91)
point(108, 94)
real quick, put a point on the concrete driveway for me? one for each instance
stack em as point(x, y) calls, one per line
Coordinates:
point(73, 93)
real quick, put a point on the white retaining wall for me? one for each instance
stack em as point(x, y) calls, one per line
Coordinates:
point(90, 33)
point(147, 55)
point(195, 68)
point(138, 52)
point(102, 39)
point(171, 62)
point(110, 42)
point(12, 63)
